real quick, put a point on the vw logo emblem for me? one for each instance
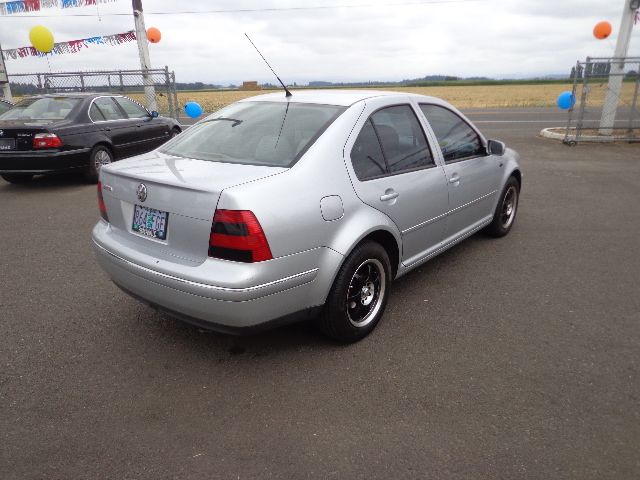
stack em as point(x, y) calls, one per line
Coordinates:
point(141, 191)
point(1, 133)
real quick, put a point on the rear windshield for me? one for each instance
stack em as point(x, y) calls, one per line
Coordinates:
point(48, 108)
point(255, 133)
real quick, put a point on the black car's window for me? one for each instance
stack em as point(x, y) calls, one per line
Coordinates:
point(255, 133)
point(41, 108)
point(96, 114)
point(131, 108)
point(108, 108)
point(403, 142)
point(366, 154)
point(456, 138)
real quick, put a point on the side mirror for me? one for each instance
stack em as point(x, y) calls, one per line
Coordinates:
point(154, 114)
point(496, 147)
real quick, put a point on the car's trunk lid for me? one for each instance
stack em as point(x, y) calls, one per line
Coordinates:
point(186, 190)
point(18, 135)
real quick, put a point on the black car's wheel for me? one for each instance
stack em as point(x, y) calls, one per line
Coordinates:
point(99, 157)
point(505, 213)
point(175, 132)
point(17, 177)
point(359, 294)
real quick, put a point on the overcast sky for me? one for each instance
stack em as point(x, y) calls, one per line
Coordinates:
point(373, 42)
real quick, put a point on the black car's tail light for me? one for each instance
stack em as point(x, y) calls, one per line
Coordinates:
point(237, 235)
point(46, 140)
point(101, 206)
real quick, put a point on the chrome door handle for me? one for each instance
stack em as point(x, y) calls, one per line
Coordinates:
point(454, 179)
point(389, 195)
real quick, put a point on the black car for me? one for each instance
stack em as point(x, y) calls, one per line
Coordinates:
point(80, 131)
point(5, 105)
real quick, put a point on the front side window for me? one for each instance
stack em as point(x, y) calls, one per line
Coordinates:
point(131, 108)
point(392, 141)
point(107, 108)
point(456, 138)
point(255, 133)
point(43, 108)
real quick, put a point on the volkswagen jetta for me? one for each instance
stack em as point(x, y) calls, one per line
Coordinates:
point(275, 209)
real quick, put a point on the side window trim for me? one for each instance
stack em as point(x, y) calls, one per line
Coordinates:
point(427, 137)
point(472, 127)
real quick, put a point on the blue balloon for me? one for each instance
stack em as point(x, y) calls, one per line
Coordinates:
point(566, 100)
point(193, 109)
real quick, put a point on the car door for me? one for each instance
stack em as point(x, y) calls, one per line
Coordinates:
point(150, 132)
point(113, 122)
point(395, 173)
point(473, 176)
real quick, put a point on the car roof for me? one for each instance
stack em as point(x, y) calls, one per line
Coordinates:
point(344, 98)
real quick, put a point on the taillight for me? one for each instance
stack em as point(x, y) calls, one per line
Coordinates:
point(101, 206)
point(237, 235)
point(46, 140)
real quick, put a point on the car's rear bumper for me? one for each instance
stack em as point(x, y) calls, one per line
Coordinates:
point(43, 162)
point(202, 294)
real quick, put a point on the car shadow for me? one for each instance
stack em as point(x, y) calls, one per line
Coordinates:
point(299, 336)
point(48, 182)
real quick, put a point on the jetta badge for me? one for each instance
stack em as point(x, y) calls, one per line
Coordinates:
point(141, 191)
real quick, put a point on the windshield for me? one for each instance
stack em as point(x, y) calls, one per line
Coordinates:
point(255, 133)
point(47, 108)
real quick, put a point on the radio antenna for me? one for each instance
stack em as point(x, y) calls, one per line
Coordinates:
point(286, 90)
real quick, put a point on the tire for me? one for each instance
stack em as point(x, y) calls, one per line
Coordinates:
point(175, 132)
point(358, 296)
point(506, 210)
point(17, 178)
point(99, 156)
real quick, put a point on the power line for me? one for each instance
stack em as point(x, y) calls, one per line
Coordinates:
point(256, 10)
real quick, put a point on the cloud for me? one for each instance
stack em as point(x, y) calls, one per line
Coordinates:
point(473, 38)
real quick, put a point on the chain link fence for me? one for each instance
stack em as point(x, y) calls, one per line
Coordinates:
point(590, 88)
point(154, 88)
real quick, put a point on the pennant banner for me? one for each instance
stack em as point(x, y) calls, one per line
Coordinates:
point(25, 6)
point(72, 46)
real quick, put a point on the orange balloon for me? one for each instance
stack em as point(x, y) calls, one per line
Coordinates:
point(153, 35)
point(602, 30)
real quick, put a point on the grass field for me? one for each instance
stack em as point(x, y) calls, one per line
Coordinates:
point(464, 96)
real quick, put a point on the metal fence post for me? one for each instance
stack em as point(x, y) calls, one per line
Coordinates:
point(634, 105)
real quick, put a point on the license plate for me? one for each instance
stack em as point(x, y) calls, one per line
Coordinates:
point(149, 222)
point(7, 143)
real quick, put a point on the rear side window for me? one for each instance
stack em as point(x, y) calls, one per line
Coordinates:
point(108, 109)
point(95, 113)
point(456, 138)
point(132, 109)
point(366, 155)
point(392, 141)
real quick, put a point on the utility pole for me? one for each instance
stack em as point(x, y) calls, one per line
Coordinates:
point(617, 68)
point(143, 50)
point(4, 78)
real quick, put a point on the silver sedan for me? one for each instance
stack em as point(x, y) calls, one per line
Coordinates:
point(275, 209)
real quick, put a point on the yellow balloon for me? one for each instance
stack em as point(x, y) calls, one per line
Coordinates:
point(41, 38)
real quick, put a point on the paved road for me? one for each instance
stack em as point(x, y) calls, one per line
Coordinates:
point(512, 358)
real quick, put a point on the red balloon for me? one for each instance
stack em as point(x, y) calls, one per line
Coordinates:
point(153, 35)
point(602, 30)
